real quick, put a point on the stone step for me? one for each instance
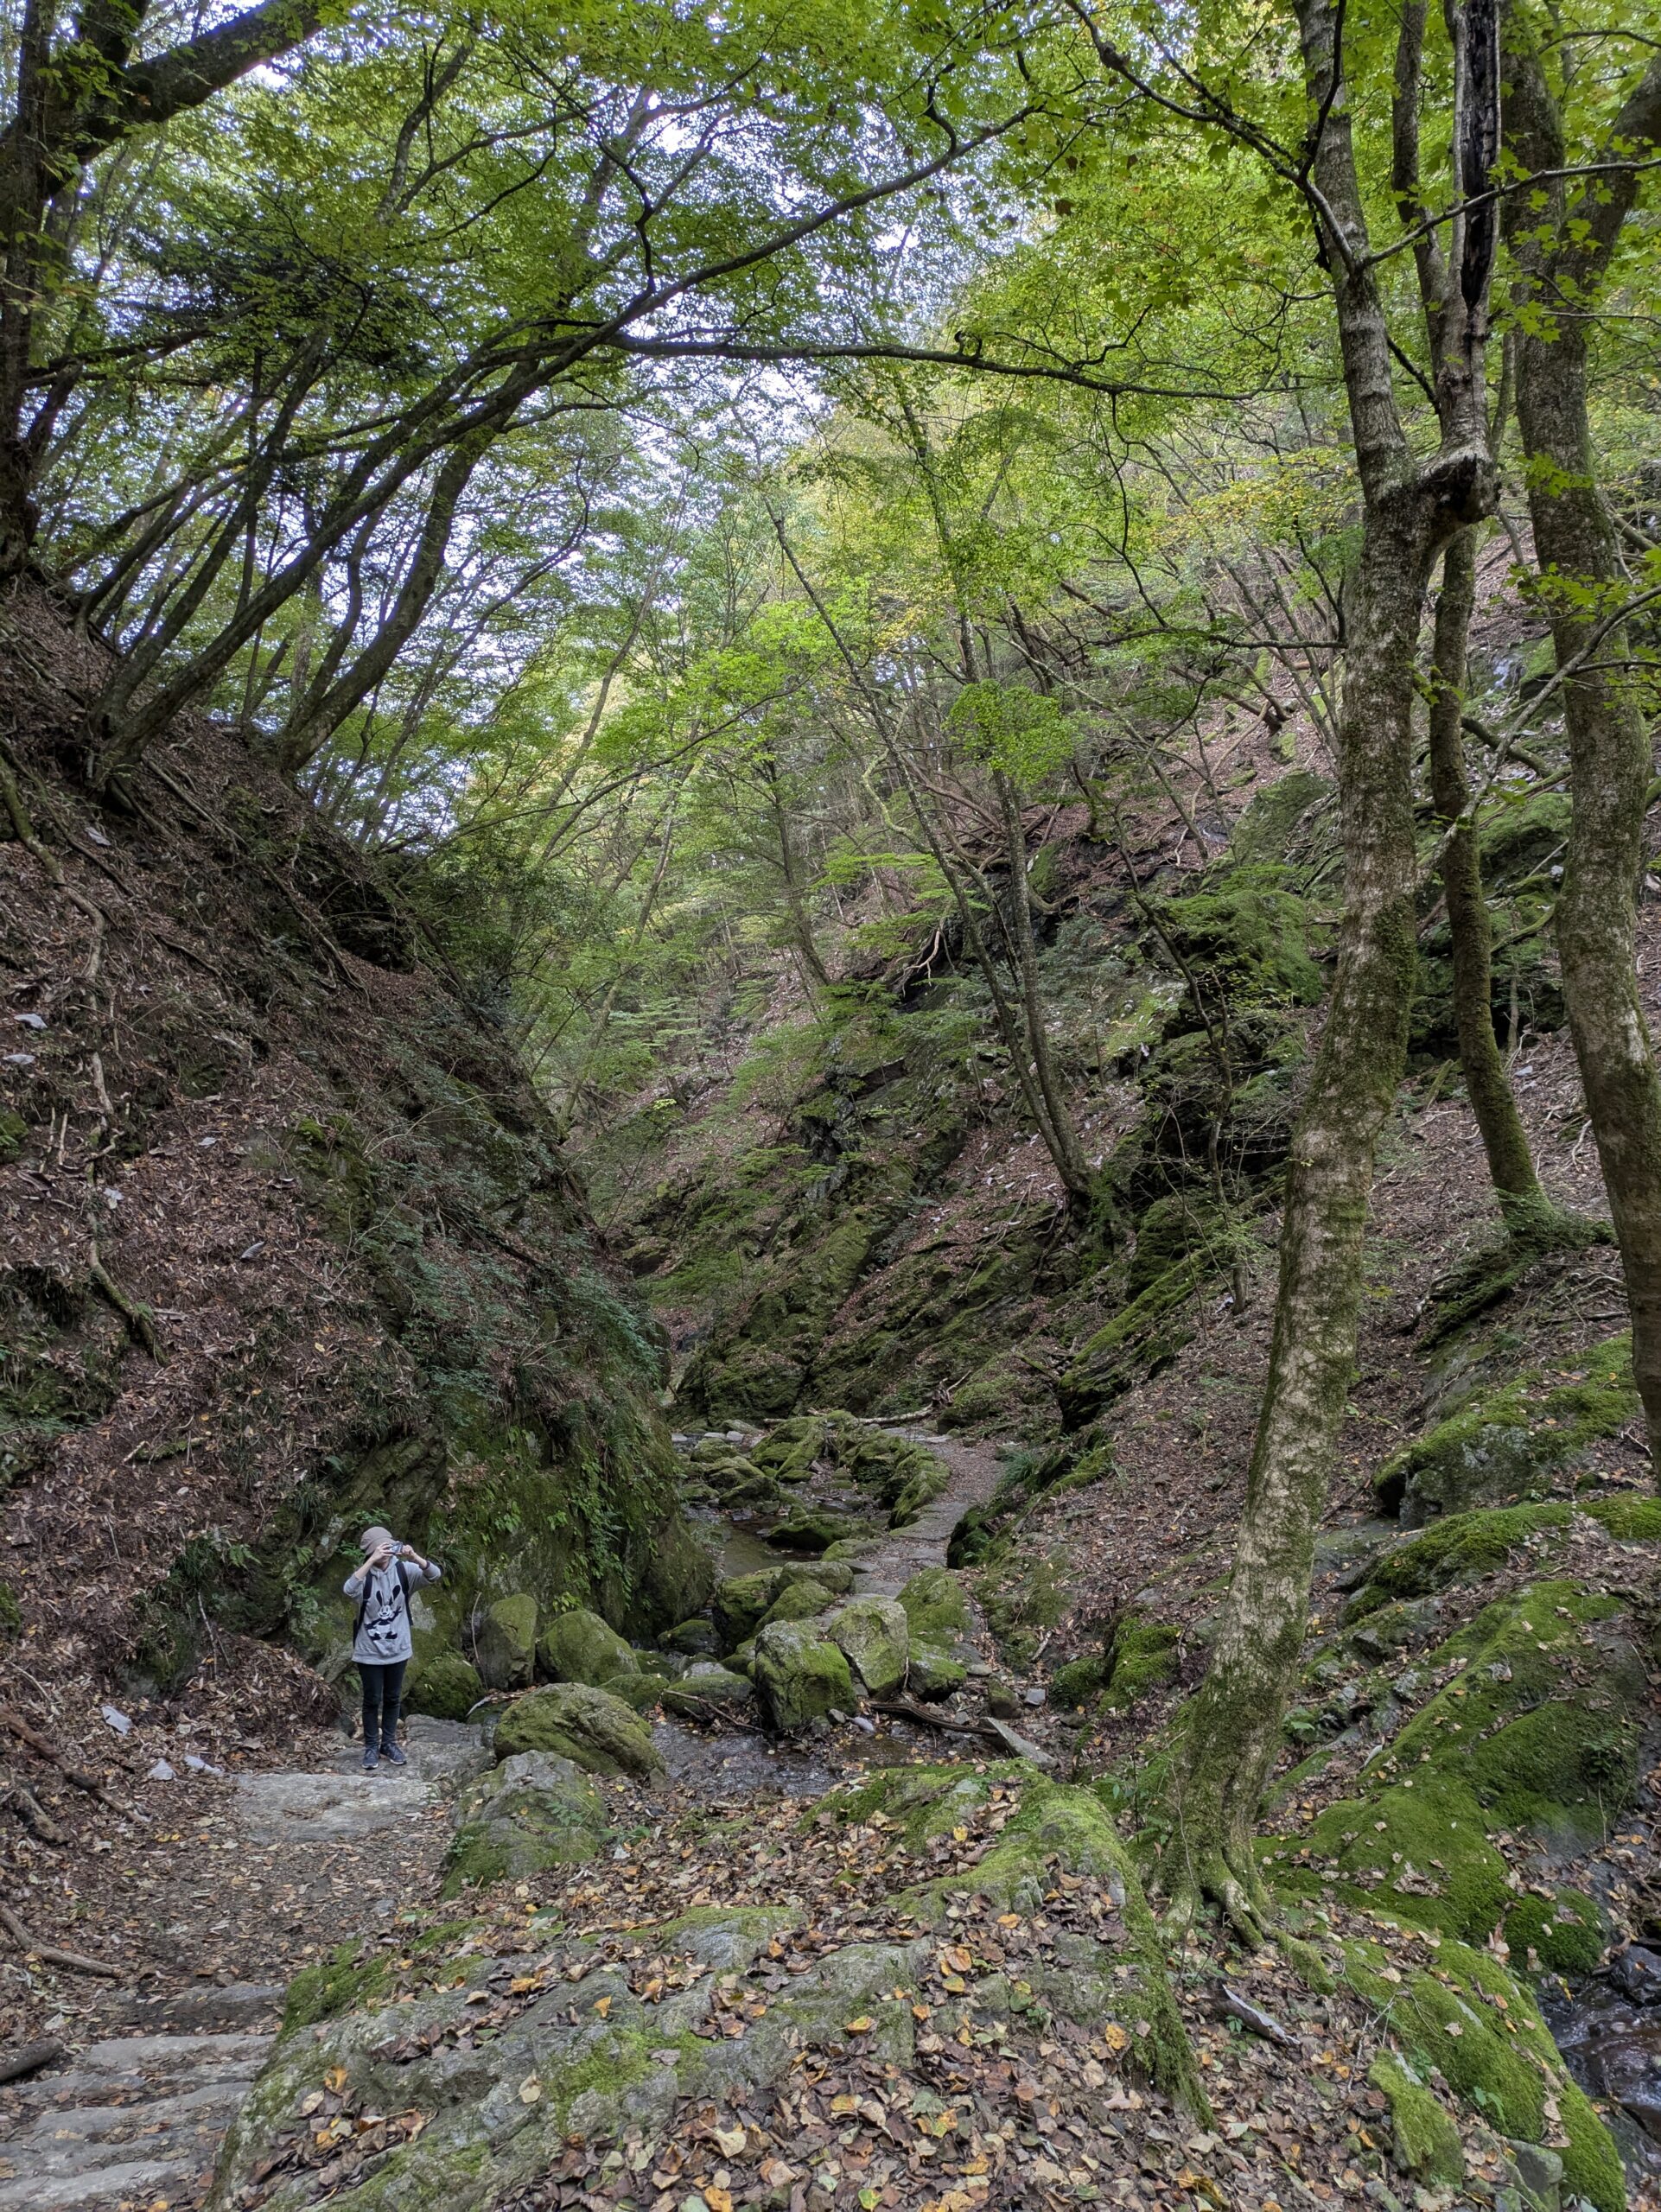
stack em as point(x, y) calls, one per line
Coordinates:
point(141, 2182)
point(251, 2005)
point(135, 2119)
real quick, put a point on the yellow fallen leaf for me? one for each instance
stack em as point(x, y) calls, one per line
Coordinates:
point(1115, 2036)
point(956, 1960)
point(1008, 1919)
point(869, 2198)
point(335, 2078)
point(529, 2090)
point(603, 2006)
point(845, 2103)
point(730, 2139)
point(718, 2199)
point(861, 2026)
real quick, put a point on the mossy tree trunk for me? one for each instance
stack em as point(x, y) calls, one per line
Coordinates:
point(1504, 1140)
point(1562, 239)
point(1411, 509)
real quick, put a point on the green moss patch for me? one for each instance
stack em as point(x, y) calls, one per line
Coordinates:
point(1509, 1442)
point(1466, 2017)
point(1541, 1724)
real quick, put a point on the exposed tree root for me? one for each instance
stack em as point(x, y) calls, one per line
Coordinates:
point(141, 1323)
point(1533, 1232)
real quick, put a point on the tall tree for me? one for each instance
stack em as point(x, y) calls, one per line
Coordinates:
point(80, 84)
point(1562, 226)
point(1412, 504)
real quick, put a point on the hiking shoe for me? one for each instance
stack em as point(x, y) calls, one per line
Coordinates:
point(391, 1751)
point(370, 1760)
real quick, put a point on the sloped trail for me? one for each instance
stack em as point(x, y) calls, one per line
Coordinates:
point(267, 1871)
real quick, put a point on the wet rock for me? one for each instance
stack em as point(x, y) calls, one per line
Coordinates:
point(1636, 1972)
point(579, 1647)
point(801, 1677)
point(579, 1722)
point(935, 1603)
point(704, 1689)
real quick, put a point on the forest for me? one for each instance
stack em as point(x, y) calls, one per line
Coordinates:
point(827, 836)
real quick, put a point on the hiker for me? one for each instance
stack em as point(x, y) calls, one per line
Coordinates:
point(381, 1641)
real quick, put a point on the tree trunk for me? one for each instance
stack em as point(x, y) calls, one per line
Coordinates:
point(1234, 1723)
point(1070, 1153)
point(1563, 254)
point(1411, 510)
point(1504, 1140)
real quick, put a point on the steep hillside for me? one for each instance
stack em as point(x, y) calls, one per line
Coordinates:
point(287, 1246)
point(860, 1214)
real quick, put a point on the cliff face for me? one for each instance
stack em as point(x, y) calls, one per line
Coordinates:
point(285, 1242)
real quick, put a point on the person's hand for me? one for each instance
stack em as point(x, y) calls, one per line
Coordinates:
point(382, 1553)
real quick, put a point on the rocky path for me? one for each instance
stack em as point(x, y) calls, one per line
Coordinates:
point(259, 1872)
point(902, 1552)
point(286, 1865)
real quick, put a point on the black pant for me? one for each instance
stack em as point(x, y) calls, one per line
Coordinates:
point(382, 1687)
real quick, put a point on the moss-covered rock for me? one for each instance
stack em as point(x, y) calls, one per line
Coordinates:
point(1506, 1443)
point(533, 1811)
point(641, 1692)
point(800, 1676)
point(446, 1686)
point(743, 1601)
point(799, 1601)
point(579, 1647)
point(696, 1639)
point(932, 1671)
point(873, 1634)
point(815, 1529)
point(505, 1641)
point(1078, 1680)
point(1464, 2016)
point(934, 1603)
point(1542, 1724)
point(1143, 1658)
point(705, 1690)
point(1424, 2141)
point(589, 1726)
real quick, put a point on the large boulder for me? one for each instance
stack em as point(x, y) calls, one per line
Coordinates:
point(815, 1529)
point(579, 1647)
point(799, 1601)
point(872, 1631)
point(446, 1685)
point(534, 1810)
point(505, 1641)
point(584, 1724)
point(705, 1690)
point(743, 1601)
point(931, 1672)
point(801, 1676)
